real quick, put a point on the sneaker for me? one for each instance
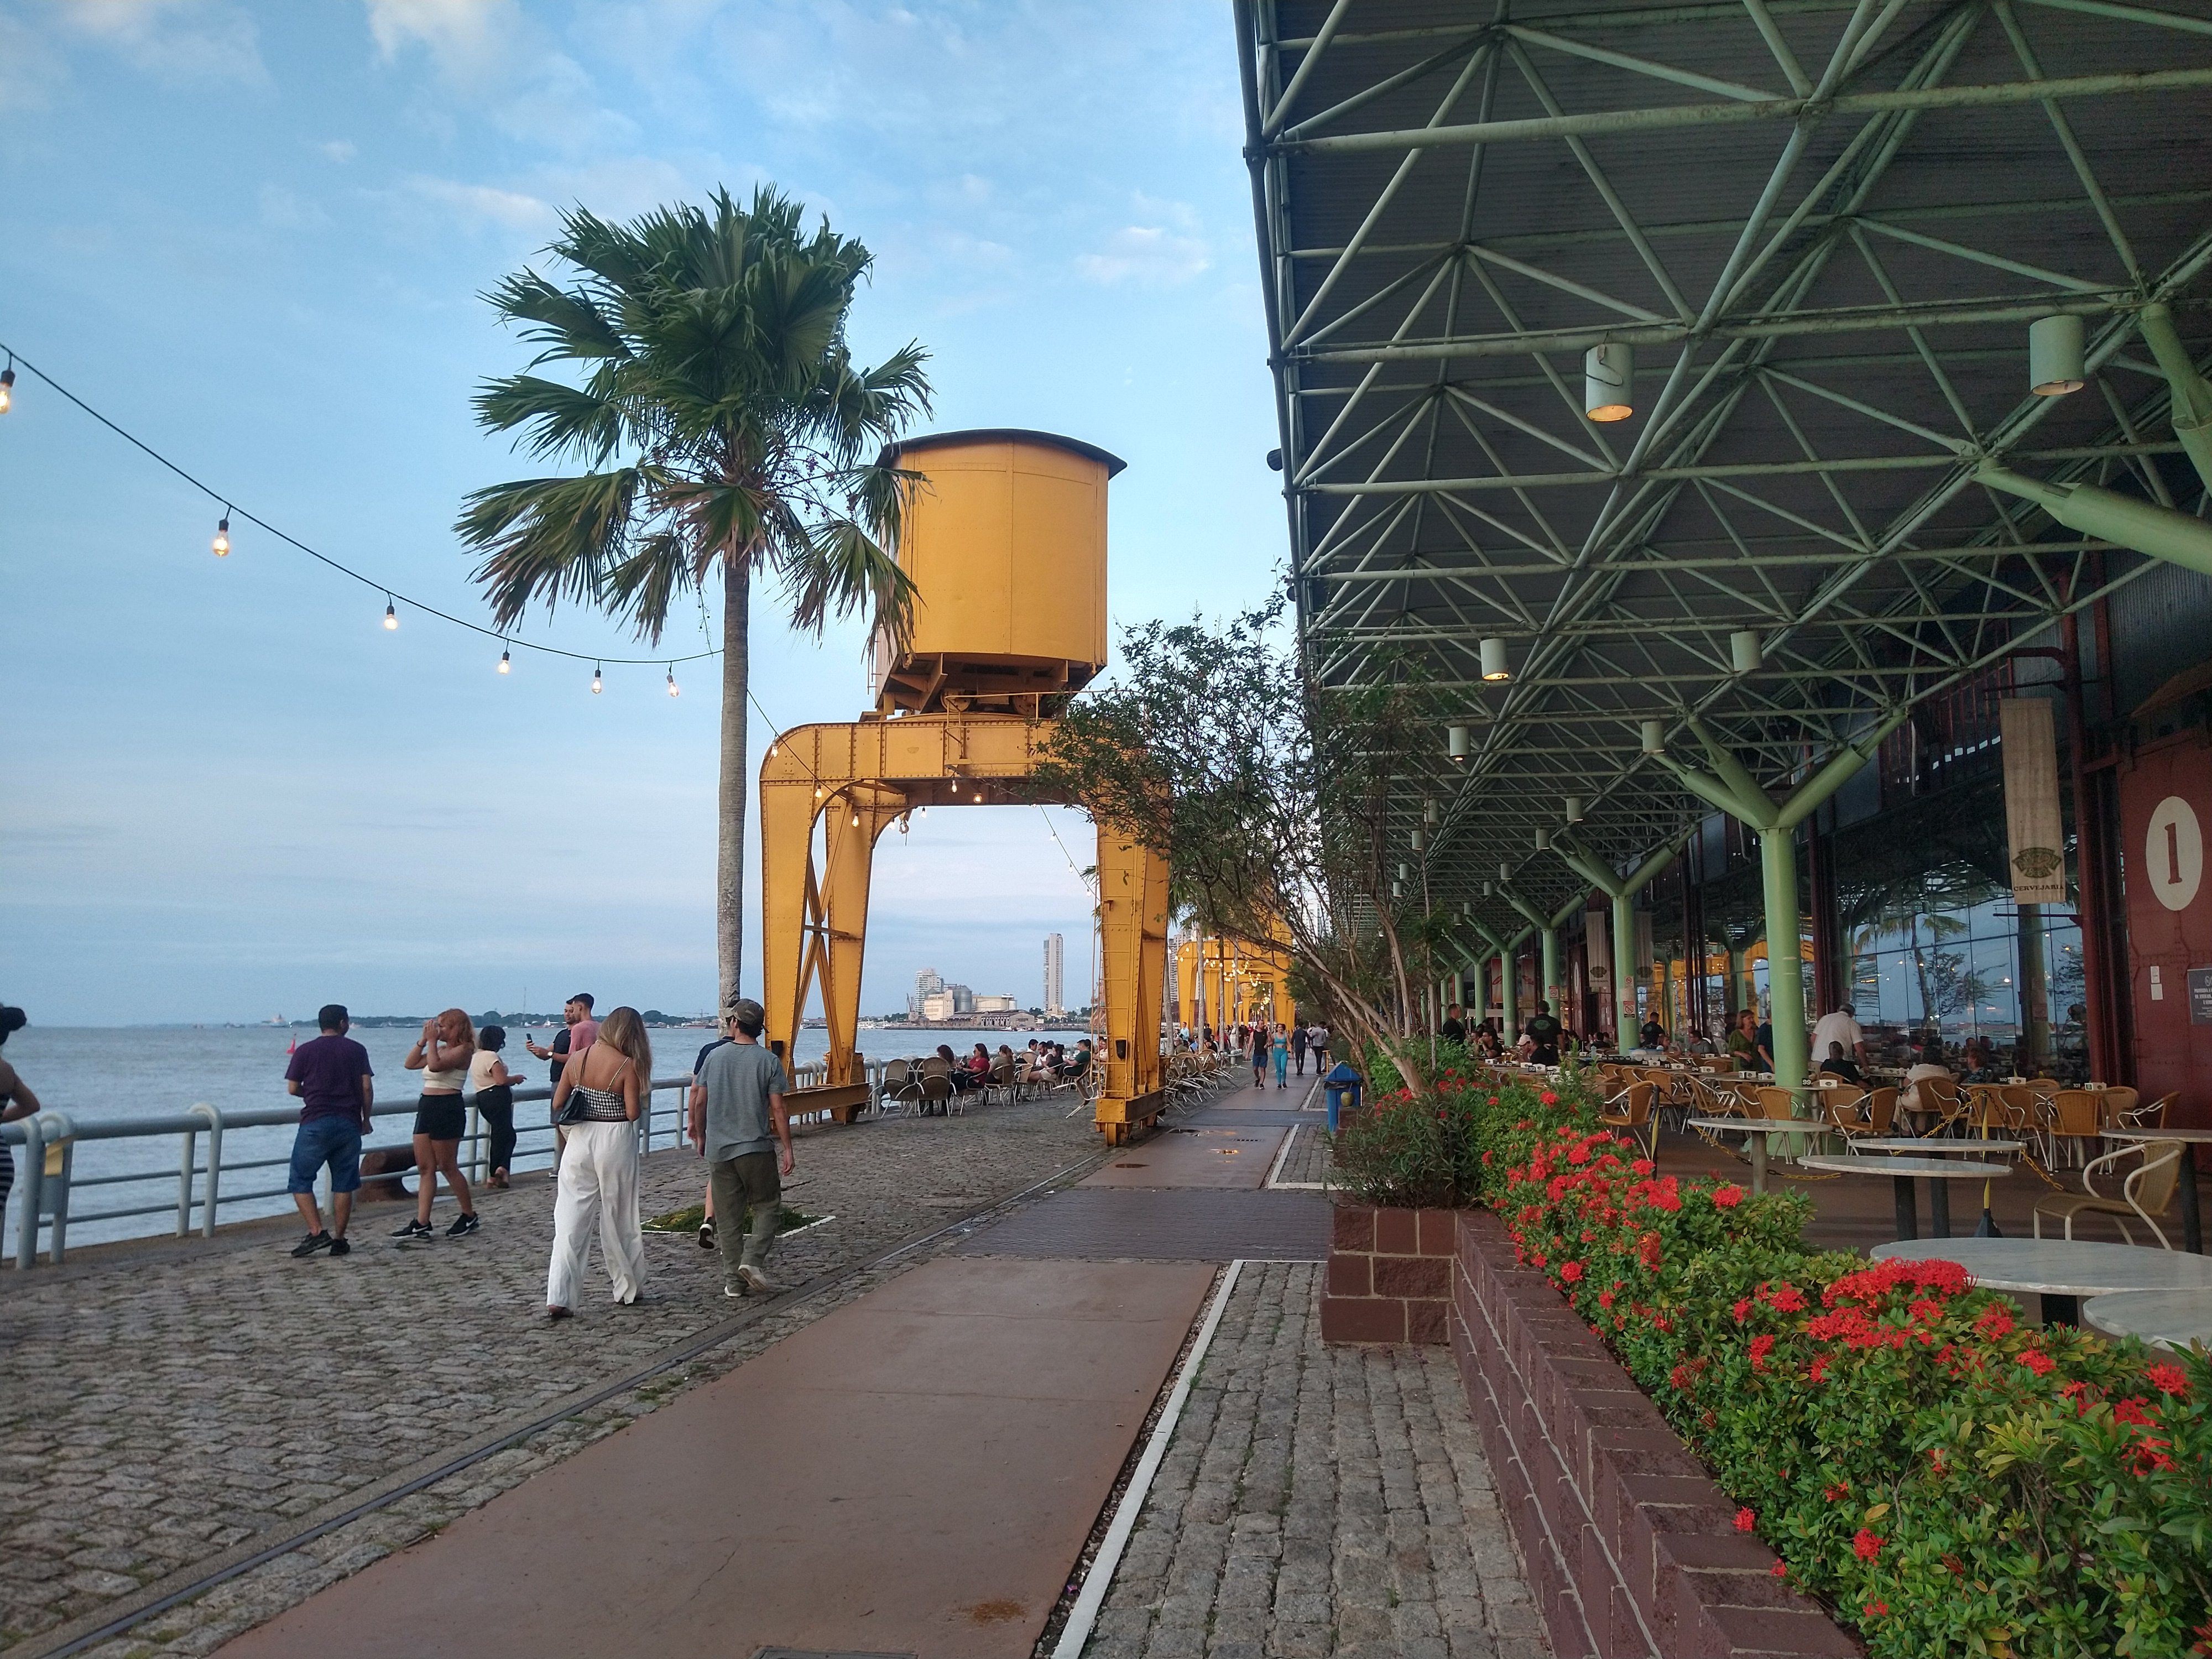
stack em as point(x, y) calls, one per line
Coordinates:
point(758, 1282)
point(735, 1290)
point(463, 1225)
point(339, 1247)
point(311, 1243)
point(707, 1235)
point(414, 1229)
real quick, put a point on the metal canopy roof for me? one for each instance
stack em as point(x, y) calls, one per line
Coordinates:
point(1825, 228)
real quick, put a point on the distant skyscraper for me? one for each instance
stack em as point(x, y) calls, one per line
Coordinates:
point(1056, 953)
point(927, 983)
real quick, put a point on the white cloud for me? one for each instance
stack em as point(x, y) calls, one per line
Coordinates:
point(174, 40)
point(340, 151)
point(483, 204)
point(1147, 255)
point(466, 39)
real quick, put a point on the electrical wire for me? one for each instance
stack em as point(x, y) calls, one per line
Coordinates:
point(392, 593)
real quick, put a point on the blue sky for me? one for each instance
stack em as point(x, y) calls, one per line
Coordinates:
point(256, 235)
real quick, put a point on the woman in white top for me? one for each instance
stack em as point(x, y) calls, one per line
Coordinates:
point(607, 1090)
point(494, 1089)
point(442, 1055)
point(1931, 1065)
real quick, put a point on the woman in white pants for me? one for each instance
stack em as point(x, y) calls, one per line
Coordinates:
point(606, 1090)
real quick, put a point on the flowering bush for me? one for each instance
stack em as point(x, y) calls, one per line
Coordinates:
point(1432, 1150)
point(1950, 1480)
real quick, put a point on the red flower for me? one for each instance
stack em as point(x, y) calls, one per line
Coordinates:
point(1741, 1307)
point(1866, 1546)
point(1745, 1521)
point(1642, 1166)
point(1839, 1490)
point(1605, 1299)
point(1647, 1251)
point(1570, 1271)
point(1781, 1568)
point(1760, 1348)
point(1818, 1370)
point(1875, 1609)
point(2167, 1378)
point(1994, 1323)
point(2039, 1362)
point(1548, 1098)
point(1726, 1196)
point(2131, 1412)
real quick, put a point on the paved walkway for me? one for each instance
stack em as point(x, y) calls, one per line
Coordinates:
point(165, 1419)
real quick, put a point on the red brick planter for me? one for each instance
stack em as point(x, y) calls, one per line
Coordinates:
point(1390, 1275)
point(1631, 1549)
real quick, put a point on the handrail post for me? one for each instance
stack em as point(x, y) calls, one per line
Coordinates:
point(209, 1115)
point(32, 1193)
point(214, 1166)
point(185, 1184)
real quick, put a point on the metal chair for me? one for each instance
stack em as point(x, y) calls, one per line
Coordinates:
point(1945, 1100)
point(2078, 1119)
point(901, 1090)
point(1842, 1107)
point(1882, 1110)
point(2146, 1193)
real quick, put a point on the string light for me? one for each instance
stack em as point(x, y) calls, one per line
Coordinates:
point(673, 689)
point(856, 820)
point(506, 663)
point(221, 544)
point(8, 386)
point(597, 683)
point(390, 616)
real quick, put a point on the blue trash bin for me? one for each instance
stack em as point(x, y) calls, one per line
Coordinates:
point(1340, 1087)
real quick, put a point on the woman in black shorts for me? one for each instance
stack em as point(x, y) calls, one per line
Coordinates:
point(442, 1055)
point(495, 1087)
point(16, 1100)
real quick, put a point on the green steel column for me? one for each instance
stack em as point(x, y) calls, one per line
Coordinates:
point(1551, 949)
point(1786, 966)
point(1478, 1004)
point(1507, 993)
point(1624, 969)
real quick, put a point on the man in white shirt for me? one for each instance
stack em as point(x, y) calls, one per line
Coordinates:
point(1841, 1026)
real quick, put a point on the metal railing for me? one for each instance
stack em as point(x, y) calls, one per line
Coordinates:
point(46, 1183)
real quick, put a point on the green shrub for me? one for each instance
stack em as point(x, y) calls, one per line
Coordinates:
point(1949, 1480)
point(1427, 1152)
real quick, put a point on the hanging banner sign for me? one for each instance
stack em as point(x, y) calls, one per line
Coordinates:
point(2035, 837)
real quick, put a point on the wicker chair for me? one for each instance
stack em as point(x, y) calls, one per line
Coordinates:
point(1882, 1110)
point(1841, 1106)
point(2146, 1193)
point(2077, 1119)
point(1634, 1116)
point(2152, 1116)
point(901, 1090)
point(1944, 1100)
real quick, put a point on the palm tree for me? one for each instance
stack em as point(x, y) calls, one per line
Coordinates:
point(724, 427)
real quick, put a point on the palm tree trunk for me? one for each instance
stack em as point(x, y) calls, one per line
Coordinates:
point(730, 855)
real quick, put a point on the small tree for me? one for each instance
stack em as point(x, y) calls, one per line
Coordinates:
point(1270, 797)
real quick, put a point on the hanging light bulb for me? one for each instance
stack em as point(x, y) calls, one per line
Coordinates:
point(674, 690)
point(818, 792)
point(1608, 374)
point(597, 682)
point(8, 386)
point(390, 616)
point(922, 812)
point(856, 820)
point(506, 663)
point(771, 751)
point(221, 544)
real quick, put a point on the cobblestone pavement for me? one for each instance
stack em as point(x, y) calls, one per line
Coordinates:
point(1309, 1161)
point(165, 1409)
point(1318, 1504)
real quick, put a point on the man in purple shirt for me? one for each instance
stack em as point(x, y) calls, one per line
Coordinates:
point(331, 1075)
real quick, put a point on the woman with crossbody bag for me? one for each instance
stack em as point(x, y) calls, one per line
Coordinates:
point(598, 1101)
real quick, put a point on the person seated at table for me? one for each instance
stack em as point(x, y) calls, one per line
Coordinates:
point(1005, 1058)
point(1838, 1064)
point(1930, 1065)
point(1524, 1050)
point(1079, 1062)
point(953, 1067)
point(1978, 1066)
point(1743, 1039)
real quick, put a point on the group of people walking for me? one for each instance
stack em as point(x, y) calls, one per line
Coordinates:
point(602, 1078)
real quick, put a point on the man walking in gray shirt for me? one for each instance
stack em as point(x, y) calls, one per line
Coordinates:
point(737, 1122)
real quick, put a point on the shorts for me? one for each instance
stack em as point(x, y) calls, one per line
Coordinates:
point(441, 1117)
point(332, 1140)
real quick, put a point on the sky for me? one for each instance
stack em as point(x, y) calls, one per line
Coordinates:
point(257, 236)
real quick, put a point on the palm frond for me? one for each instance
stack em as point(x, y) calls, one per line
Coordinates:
point(561, 418)
point(839, 569)
point(548, 537)
point(568, 325)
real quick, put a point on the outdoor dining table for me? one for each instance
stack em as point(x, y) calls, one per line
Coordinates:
point(1903, 1171)
point(2060, 1270)
point(2192, 1226)
point(1758, 1129)
point(2164, 1319)
point(1939, 1195)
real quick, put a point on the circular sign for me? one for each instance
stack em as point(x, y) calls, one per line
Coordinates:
point(2173, 854)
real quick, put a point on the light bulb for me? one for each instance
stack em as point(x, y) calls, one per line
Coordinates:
point(818, 792)
point(674, 690)
point(506, 663)
point(221, 543)
point(771, 751)
point(597, 684)
point(390, 616)
point(856, 820)
point(7, 388)
point(924, 811)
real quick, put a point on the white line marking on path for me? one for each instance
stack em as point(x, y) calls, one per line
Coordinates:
point(1100, 1578)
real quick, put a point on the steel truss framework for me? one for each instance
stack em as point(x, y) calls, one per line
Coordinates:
point(1824, 226)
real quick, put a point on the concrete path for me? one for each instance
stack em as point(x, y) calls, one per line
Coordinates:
point(1221, 1158)
point(914, 1473)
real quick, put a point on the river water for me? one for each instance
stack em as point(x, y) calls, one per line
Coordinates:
point(97, 1073)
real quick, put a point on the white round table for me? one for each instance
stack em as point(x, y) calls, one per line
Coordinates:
point(1903, 1171)
point(1939, 1195)
point(1757, 1129)
point(2060, 1270)
point(2192, 1226)
point(2164, 1319)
